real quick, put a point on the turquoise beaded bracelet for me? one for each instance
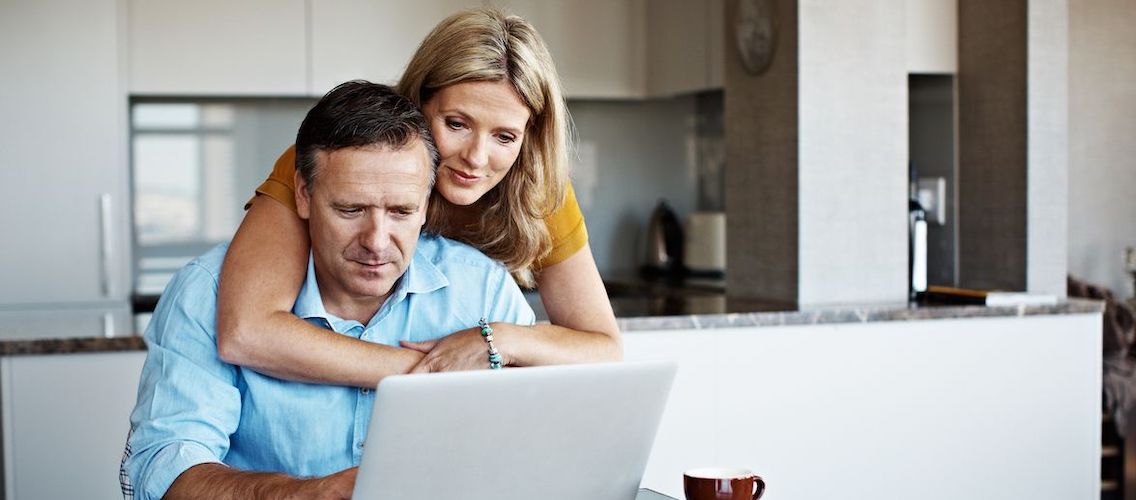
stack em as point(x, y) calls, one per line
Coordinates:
point(487, 333)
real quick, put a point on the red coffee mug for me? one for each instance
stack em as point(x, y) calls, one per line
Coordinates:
point(722, 484)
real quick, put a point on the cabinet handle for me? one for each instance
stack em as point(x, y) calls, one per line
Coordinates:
point(108, 325)
point(106, 249)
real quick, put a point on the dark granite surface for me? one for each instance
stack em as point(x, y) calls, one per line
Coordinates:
point(70, 345)
point(673, 310)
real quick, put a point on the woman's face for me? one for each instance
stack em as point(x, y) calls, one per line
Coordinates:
point(479, 128)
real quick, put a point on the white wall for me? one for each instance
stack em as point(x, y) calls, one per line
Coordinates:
point(853, 152)
point(1102, 153)
point(1047, 217)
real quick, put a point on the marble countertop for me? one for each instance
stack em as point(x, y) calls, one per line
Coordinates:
point(672, 311)
point(722, 312)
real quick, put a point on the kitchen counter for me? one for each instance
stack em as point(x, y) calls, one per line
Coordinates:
point(721, 312)
point(794, 394)
point(13, 347)
point(684, 310)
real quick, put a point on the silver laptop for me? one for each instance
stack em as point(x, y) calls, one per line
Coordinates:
point(550, 433)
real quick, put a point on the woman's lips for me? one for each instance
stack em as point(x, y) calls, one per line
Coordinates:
point(462, 178)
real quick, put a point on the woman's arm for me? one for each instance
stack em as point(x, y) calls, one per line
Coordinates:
point(264, 268)
point(582, 329)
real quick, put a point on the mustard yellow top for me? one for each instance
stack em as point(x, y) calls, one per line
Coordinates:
point(565, 225)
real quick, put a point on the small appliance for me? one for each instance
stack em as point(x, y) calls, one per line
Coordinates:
point(664, 243)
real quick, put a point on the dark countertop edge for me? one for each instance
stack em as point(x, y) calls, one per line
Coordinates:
point(820, 316)
point(71, 345)
point(852, 314)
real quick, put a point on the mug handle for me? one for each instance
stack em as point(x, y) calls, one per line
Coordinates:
point(758, 487)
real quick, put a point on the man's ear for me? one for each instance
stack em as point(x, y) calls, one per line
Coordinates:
point(303, 198)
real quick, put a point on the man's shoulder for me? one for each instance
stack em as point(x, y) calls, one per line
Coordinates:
point(211, 261)
point(449, 254)
point(203, 272)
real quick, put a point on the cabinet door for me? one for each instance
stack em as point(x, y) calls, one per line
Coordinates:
point(717, 36)
point(932, 36)
point(598, 45)
point(65, 419)
point(63, 166)
point(684, 46)
point(370, 39)
point(26, 323)
point(218, 47)
point(676, 46)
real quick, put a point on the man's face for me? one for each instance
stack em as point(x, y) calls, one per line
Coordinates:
point(365, 210)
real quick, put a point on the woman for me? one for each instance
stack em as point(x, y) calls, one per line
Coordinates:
point(488, 87)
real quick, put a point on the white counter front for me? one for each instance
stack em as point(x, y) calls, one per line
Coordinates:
point(976, 408)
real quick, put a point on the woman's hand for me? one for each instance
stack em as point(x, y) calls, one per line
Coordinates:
point(461, 350)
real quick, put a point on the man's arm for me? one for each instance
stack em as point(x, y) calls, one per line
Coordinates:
point(218, 482)
point(188, 403)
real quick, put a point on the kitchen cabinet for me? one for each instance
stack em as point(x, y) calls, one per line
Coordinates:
point(603, 49)
point(685, 46)
point(598, 45)
point(217, 47)
point(370, 39)
point(66, 320)
point(63, 171)
point(65, 419)
point(932, 36)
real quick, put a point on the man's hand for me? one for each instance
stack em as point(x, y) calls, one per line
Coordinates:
point(219, 482)
point(462, 350)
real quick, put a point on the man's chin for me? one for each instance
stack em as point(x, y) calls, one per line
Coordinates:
point(367, 286)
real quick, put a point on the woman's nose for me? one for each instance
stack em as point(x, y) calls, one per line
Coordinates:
point(476, 152)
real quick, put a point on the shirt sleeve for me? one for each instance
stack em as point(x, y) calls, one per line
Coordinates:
point(188, 403)
point(566, 227)
point(507, 303)
point(281, 183)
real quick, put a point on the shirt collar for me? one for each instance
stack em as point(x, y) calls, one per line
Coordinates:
point(421, 276)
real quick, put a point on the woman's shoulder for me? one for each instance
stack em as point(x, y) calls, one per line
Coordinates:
point(566, 229)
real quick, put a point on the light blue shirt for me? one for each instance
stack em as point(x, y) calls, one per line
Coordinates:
point(193, 408)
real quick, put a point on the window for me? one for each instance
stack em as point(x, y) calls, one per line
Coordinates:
point(194, 165)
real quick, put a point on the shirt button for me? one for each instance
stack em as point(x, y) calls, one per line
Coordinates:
point(365, 390)
point(360, 445)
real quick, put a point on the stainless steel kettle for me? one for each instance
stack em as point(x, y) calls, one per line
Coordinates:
point(664, 243)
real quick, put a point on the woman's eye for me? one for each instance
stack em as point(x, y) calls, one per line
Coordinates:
point(351, 211)
point(506, 139)
point(455, 125)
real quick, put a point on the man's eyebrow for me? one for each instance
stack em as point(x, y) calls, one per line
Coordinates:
point(406, 207)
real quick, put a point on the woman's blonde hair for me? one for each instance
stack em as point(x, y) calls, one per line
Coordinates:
point(486, 44)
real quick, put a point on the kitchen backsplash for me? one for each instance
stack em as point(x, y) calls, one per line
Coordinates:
point(634, 153)
point(195, 163)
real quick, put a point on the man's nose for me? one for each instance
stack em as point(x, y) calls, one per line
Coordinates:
point(376, 236)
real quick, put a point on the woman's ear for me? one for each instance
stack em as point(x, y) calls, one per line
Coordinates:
point(303, 197)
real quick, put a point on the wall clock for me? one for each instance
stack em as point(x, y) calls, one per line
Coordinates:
point(756, 34)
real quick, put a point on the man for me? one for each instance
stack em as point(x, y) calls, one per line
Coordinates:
point(201, 427)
